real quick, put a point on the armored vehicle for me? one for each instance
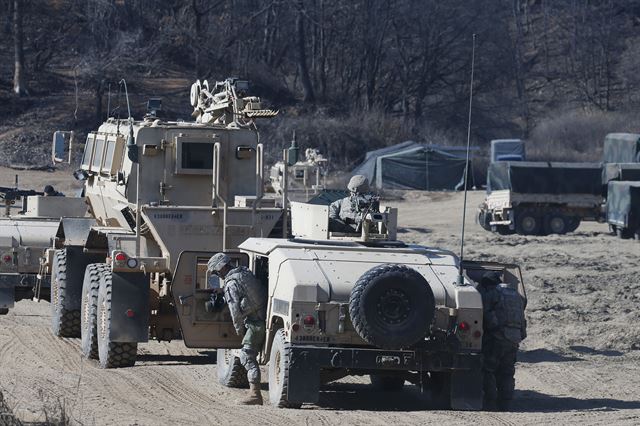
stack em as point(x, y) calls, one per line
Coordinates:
point(540, 198)
point(24, 238)
point(304, 179)
point(362, 304)
point(623, 208)
point(156, 189)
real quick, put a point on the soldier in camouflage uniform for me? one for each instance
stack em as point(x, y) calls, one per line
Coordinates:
point(344, 215)
point(247, 300)
point(504, 329)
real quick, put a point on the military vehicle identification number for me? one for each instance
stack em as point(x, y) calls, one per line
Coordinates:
point(318, 339)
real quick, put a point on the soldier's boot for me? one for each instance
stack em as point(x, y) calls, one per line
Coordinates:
point(255, 395)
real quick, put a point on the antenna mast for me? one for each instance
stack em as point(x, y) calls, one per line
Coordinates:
point(466, 168)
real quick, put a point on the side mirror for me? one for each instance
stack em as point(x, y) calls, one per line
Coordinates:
point(80, 175)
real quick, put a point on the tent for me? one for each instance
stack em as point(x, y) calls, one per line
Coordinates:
point(410, 165)
point(622, 148)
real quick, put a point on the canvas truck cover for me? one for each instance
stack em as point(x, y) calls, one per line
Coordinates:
point(623, 203)
point(507, 150)
point(620, 171)
point(368, 166)
point(545, 177)
point(622, 148)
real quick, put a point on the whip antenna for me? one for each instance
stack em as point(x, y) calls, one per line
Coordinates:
point(466, 165)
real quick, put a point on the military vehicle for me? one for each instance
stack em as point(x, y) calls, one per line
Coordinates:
point(621, 148)
point(24, 238)
point(304, 178)
point(157, 189)
point(361, 304)
point(623, 208)
point(541, 198)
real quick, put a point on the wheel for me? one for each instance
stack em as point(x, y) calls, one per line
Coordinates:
point(622, 232)
point(279, 372)
point(527, 223)
point(438, 385)
point(4, 311)
point(88, 331)
point(556, 223)
point(612, 229)
point(230, 372)
point(111, 354)
point(392, 306)
point(484, 220)
point(64, 322)
point(387, 383)
point(574, 223)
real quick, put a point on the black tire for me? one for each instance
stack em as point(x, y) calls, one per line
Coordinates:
point(279, 372)
point(4, 311)
point(88, 309)
point(484, 220)
point(392, 306)
point(387, 383)
point(622, 233)
point(574, 223)
point(556, 223)
point(64, 322)
point(229, 370)
point(528, 222)
point(111, 354)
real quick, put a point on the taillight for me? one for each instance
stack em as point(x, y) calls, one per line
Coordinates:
point(295, 327)
point(130, 313)
point(120, 257)
point(309, 321)
point(7, 258)
point(463, 326)
point(477, 334)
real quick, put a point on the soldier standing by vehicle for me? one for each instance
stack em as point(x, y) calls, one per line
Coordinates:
point(247, 300)
point(504, 329)
point(345, 214)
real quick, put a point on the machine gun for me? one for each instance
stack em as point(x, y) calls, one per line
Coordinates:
point(226, 102)
point(10, 195)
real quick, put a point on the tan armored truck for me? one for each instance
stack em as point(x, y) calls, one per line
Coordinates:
point(157, 189)
point(360, 304)
point(25, 235)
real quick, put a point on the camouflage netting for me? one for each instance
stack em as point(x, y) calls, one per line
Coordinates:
point(622, 148)
point(545, 178)
point(623, 204)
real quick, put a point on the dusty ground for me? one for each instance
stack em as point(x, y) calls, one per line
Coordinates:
point(580, 363)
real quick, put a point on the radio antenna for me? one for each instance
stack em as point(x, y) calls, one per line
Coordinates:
point(466, 166)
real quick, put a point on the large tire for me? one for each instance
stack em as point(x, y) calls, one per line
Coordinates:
point(556, 223)
point(387, 383)
point(111, 354)
point(623, 233)
point(392, 306)
point(88, 310)
point(64, 322)
point(528, 222)
point(484, 219)
point(229, 370)
point(279, 372)
point(4, 311)
point(574, 223)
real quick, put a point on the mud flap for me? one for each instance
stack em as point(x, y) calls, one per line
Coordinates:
point(304, 377)
point(129, 307)
point(77, 261)
point(7, 291)
point(466, 390)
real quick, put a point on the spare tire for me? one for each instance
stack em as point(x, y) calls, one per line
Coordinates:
point(392, 306)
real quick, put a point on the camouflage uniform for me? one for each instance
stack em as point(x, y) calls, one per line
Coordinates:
point(344, 215)
point(247, 299)
point(505, 328)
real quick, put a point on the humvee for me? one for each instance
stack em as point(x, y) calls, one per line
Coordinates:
point(361, 304)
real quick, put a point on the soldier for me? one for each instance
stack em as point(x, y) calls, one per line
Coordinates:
point(344, 215)
point(49, 191)
point(504, 329)
point(247, 300)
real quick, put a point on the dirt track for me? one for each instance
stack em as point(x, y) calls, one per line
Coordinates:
point(580, 363)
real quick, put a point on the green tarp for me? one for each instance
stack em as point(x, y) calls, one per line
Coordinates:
point(545, 177)
point(622, 148)
point(623, 204)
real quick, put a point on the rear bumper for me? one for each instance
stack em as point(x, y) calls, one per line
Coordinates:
point(305, 363)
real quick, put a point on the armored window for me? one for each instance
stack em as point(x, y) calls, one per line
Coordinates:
point(97, 154)
point(197, 156)
point(88, 150)
point(113, 155)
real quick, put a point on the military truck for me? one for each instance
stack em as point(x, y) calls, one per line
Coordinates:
point(623, 208)
point(360, 304)
point(621, 148)
point(25, 235)
point(304, 179)
point(157, 189)
point(541, 198)
point(507, 150)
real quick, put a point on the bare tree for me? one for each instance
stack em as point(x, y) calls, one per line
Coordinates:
point(19, 77)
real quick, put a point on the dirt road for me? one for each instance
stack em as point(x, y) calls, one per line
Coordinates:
point(580, 363)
